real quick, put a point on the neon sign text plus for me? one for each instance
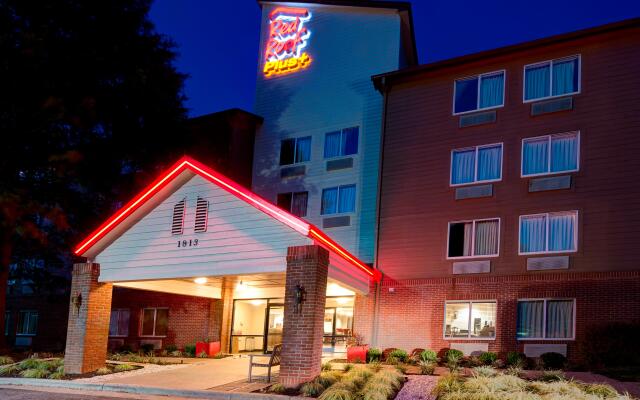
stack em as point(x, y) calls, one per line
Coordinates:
point(288, 36)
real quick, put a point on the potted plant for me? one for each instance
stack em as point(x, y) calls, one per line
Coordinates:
point(357, 349)
point(209, 348)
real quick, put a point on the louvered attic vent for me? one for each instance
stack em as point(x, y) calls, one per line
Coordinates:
point(202, 209)
point(177, 223)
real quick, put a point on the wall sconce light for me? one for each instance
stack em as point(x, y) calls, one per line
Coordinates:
point(77, 302)
point(301, 296)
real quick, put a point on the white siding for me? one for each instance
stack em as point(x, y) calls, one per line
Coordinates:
point(240, 239)
point(347, 45)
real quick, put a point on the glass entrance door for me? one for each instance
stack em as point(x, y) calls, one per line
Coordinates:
point(338, 323)
point(273, 327)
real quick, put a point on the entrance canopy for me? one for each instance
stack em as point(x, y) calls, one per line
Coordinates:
point(193, 222)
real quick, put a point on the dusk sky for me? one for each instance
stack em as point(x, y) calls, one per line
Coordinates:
point(218, 40)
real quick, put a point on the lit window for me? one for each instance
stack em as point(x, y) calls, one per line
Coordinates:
point(479, 92)
point(474, 238)
point(476, 164)
point(154, 322)
point(295, 203)
point(297, 150)
point(119, 323)
point(341, 199)
point(549, 233)
point(545, 319)
point(552, 78)
point(341, 143)
point(27, 323)
point(470, 319)
point(550, 154)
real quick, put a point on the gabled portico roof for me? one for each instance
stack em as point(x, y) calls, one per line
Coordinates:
point(130, 213)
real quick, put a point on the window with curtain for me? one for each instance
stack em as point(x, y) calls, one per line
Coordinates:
point(478, 92)
point(476, 164)
point(336, 200)
point(551, 154)
point(545, 319)
point(119, 323)
point(341, 143)
point(154, 322)
point(295, 203)
point(470, 319)
point(552, 78)
point(475, 238)
point(27, 323)
point(549, 233)
point(295, 150)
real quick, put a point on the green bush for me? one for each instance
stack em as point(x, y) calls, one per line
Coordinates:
point(374, 355)
point(375, 366)
point(9, 370)
point(56, 375)
point(327, 379)
point(453, 359)
point(599, 389)
point(278, 388)
point(190, 350)
point(347, 367)
point(103, 371)
point(312, 389)
point(553, 360)
point(4, 360)
point(515, 359)
point(552, 375)
point(171, 348)
point(484, 371)
point(427, 367)
point(429, 355)
point(337, 392)
point(454, 353)
point(326, 367)
point(488, 357)
point(397, 355)
point(123, 367)
point(37, 373)
point(30, 363)
point(447, 384)
point(203, 354)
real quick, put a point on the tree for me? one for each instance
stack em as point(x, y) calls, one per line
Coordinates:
point(89, 102)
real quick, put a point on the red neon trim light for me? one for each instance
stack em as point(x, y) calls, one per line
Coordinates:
point(227, 184)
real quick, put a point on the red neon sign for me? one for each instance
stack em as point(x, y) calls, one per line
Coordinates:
point(187, 163)
point(288, 36)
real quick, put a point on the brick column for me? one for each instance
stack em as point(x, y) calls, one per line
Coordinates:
point(227, 314)
point(88, 327)
point(307, 266)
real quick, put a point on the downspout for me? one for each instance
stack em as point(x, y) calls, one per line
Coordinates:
point(378, 285)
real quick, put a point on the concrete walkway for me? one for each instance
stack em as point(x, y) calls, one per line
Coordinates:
point(201, 375)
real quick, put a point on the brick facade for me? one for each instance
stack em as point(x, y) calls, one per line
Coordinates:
point(303, 328)
point(411, 312)
point(190, 318)
point(88, 326)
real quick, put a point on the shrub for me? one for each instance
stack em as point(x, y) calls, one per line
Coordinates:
point(123, 368)
point(427, 367)
point(326, 367)
point(454, 353)
point(327, 379)
point(397, 355)
point(515, 359)
point(190, 350)
point(488, 357)
point(374, 355)
point(402, 368)
point(600, 390)
point(336, 392)
point(176, 353)
point(447, 384)
point(375, 366)
point(278, 388)
point(203, 354)
point(391, 377)
point(9, 370)
point(37, 373)
point(29, 363)
point(453, 359)
point(484, 371)
point(553, 360)
point(552, 376)
point(312, 389)
point(4, 360)
point(171, 348)
point(472, 361)
point(147, 348)
point(513, 370)
point(347, 367)
point(56, 375)
point(429, 355)
point(103, 371)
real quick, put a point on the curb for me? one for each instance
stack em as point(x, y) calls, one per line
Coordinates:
point(120, 388)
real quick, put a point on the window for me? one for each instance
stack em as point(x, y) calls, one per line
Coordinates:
point(27, 323)
point(177, 221)
point(551, 154)
point(476, 164)
point(546, 319)
point(154, 322)
point(474, 238)
point(295, 203)
point(552, 78)
point(202, 215)
point(341, 199)
point(549, 233)
point(7, 323)
point(297, 150)
point(478, 92)
point(341, 143)
point(119, 323)
point(470, 320)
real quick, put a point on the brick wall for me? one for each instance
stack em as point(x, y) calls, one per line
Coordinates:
point(413, 315)
point(302, 332)
point(53, 312)
point(190, 317)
